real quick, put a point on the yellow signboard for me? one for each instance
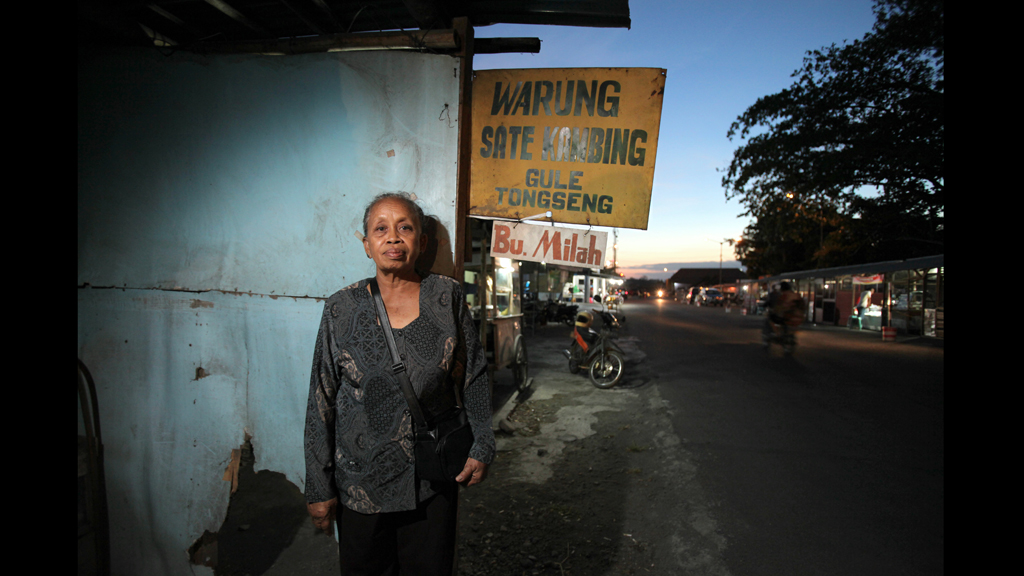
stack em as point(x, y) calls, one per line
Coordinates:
point(580, 142)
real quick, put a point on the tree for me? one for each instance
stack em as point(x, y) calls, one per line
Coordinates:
point(861, 118)
point(791, 235)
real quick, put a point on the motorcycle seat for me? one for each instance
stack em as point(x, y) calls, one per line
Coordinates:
point(589, 335)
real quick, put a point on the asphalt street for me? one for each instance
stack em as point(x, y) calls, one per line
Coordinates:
point(830, 461)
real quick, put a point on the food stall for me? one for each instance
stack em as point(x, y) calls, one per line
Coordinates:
point(495, 297)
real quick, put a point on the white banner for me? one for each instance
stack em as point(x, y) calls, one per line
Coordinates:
point(551, 244)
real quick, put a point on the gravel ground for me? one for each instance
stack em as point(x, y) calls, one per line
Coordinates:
point(587, 483)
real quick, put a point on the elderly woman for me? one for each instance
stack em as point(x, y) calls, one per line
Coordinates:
point(358, 436)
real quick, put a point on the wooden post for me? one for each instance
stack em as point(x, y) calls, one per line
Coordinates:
point(482, 291)
point(463, 247)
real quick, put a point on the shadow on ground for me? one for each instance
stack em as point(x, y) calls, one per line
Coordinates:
point(268, 531)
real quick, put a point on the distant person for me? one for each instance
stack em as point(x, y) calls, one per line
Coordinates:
point(773, 294)
point(785, 307)
point(864, 304)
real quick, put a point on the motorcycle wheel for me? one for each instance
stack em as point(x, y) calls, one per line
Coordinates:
point(788, 345)
point(606, 370)
point(574, 365)
point(520, 368)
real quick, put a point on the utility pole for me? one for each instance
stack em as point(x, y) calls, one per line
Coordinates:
point(721, 245)
point(615, 250)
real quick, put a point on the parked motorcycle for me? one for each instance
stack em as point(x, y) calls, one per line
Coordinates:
point(596, 351)
point(614, 319)
point(562, 312)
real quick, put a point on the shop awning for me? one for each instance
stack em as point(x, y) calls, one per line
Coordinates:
point(923, 263)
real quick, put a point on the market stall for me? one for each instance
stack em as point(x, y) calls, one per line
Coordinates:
point(494, 294)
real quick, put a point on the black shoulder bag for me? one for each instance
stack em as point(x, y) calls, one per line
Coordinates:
point(442, 446)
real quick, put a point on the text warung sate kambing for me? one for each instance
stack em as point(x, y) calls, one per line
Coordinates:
point(580, 142)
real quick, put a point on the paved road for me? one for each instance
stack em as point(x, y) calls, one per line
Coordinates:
point(827, 462)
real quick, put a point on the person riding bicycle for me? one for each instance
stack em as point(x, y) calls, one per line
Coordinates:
point(785, 308)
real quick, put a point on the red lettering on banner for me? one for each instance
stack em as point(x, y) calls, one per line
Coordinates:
point(501, 234)
point(593, 255)
point(546, 244)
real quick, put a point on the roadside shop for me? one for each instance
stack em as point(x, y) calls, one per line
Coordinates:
point(906, 295)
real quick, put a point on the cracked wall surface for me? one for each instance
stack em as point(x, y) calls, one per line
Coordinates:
point(218, 202)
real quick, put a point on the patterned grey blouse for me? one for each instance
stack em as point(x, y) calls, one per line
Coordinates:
point(358, 437)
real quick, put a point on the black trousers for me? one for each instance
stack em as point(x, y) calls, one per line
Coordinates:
point(418, 542)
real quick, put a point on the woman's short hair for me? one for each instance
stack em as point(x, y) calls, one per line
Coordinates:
point(403, 197)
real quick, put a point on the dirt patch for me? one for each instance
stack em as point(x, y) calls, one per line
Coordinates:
point(591, 482)
point(572, 522)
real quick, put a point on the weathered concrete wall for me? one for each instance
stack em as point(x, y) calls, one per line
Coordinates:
point(219, 201)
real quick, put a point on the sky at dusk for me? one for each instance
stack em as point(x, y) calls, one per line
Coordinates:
point(720, 57)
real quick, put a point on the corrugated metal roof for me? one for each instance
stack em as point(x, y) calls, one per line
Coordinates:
point(190, 24)
point(923, 263)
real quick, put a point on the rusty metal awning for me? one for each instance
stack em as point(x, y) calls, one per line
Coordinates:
point(294, 26)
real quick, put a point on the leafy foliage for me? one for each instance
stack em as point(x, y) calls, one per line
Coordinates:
point(861, 117)
point(794, 236)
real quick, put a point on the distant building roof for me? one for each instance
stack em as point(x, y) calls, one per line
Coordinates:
point(692, 276)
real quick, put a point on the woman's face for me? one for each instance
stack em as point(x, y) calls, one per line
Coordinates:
point(393, 238)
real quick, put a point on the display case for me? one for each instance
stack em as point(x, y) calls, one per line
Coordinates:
point(872, 318)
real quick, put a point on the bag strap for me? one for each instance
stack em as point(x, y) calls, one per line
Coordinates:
point(397, 366)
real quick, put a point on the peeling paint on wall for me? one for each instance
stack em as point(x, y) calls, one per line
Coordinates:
point(231, 472)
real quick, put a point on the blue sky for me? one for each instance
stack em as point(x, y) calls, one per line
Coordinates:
point(720, 57)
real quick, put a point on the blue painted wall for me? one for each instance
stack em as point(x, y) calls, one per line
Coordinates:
point(219, 200)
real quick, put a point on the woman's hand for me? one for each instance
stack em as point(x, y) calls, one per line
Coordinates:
point(474, 473)
point(323, 514)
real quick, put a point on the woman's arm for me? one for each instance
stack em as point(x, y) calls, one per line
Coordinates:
point(319, 429)
point(476, 391)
